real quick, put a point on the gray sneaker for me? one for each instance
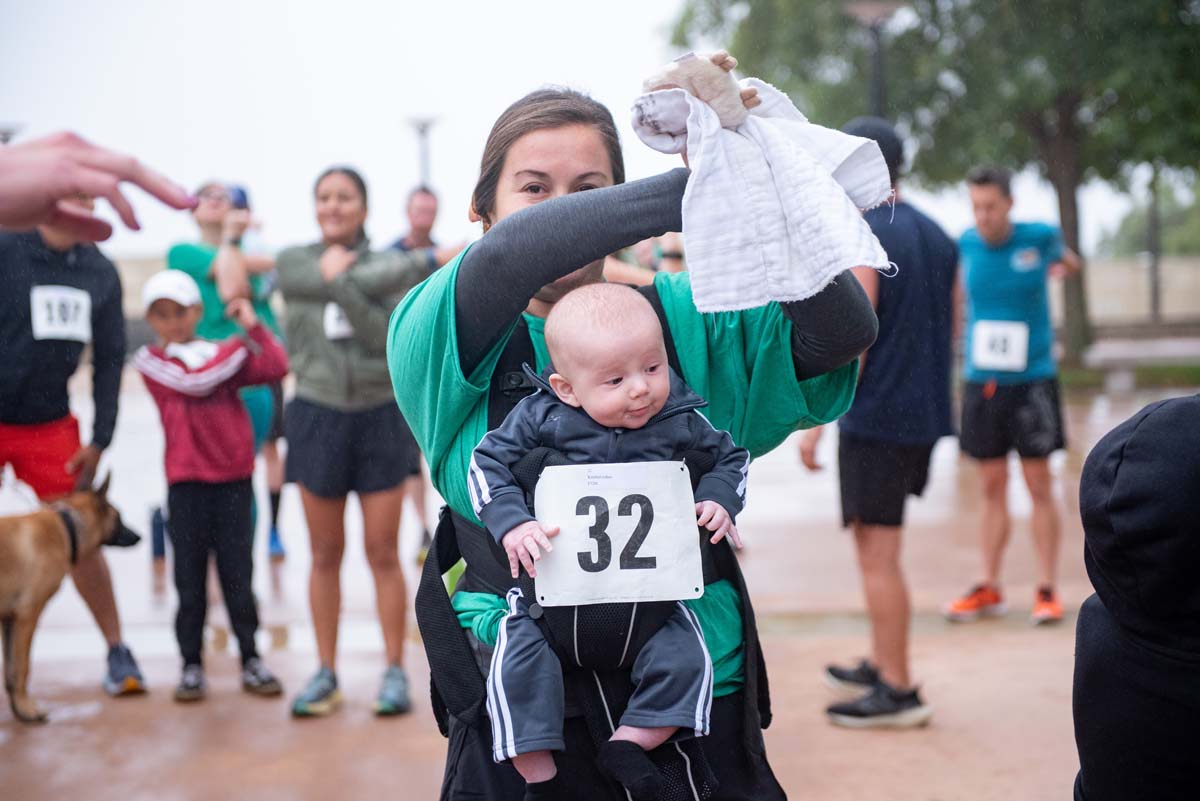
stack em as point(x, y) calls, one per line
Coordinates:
point(192, 686)
point(393, 693)
point(257, 680)
point(319, 697)
point(123, 676)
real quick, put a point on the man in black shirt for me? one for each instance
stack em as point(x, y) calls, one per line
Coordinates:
point(901, 409)
point(59, 296)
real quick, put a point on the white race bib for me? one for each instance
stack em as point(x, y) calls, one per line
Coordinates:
point(1000, 345)
point(336, 324)
point(61, 312)
point(628, 534)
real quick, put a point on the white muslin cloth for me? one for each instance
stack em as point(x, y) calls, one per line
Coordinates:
point(772, 207)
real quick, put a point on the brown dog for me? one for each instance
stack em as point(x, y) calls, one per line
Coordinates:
point(36, 551)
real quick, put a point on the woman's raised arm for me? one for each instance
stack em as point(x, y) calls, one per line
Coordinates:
point(538, 245)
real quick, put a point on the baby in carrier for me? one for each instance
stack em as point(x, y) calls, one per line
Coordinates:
point(609, 397)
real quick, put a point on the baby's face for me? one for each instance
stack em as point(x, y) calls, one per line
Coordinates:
point(620, 379)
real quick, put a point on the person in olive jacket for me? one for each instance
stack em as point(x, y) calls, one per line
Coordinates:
point(344, 431)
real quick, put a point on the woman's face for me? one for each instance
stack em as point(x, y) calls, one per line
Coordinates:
point(550, 163)
point(341, 210)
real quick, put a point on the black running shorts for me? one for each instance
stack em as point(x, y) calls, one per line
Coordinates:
point(332, 453)
point(998, 418)
point(877, 477)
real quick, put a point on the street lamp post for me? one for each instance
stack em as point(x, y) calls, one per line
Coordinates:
point(873, 16)
point(422, 125)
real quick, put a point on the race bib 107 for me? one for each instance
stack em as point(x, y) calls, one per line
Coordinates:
point(628, 533)
point(61, 312)
point(1000, 345)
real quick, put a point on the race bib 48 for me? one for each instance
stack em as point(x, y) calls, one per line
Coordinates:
point(628, 533)
point(61, 312)
point(1000, 345)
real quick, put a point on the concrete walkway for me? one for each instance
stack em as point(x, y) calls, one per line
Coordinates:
point(1001, 689)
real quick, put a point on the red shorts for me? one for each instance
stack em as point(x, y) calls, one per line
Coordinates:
point(39, 454)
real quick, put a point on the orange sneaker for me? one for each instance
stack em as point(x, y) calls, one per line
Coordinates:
point(982, 601)
point(1046, 609)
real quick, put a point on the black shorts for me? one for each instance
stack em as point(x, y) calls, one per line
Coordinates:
point(997, 418)
point(275, 432)
point(877, 477)
point(332, 453)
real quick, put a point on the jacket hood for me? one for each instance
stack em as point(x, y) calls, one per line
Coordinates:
point(1139, 497)
point(682, 398)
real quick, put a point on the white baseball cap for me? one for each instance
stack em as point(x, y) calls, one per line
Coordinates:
point(170, 285)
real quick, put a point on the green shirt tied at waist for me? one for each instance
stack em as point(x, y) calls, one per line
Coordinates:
point(337, 330)
point(740, 362)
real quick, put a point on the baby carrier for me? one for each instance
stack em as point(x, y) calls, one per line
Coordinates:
point(595, 673)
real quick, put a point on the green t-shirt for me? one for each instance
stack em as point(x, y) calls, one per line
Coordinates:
point(196, 260)
point(740, 362)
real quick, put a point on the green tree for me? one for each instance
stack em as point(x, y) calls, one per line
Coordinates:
point(1077, 88)
point(1179, 223)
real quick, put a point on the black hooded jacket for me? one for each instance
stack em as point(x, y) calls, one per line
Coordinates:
point(542, 420)
point(1136, 697)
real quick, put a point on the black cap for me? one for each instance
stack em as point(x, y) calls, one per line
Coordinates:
point(885, 136)
point(1139, 496)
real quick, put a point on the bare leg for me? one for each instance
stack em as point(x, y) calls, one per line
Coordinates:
point(274, 465)
point(647, 738)
point(886, 595)
point(94, 584)
point(993, 475)
point(414, 489)
point(536, 766)
point(381, 529)
point(1046, 523)
point(327, 540)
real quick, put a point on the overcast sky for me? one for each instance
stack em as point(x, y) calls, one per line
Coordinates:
point(269, 93)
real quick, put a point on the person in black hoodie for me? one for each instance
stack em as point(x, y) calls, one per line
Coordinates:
point(1136, 697)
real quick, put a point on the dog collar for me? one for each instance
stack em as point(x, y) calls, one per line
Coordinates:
point(68, 518)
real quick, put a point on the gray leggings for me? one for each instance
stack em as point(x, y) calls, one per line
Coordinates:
point(672, 676)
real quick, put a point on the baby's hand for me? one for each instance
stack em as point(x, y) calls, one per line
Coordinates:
point(713, 517)
point(523, 545)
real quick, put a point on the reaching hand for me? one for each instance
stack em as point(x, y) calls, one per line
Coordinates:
point(39, 178)
point(808, 448)
point(713, 517)
point(83, 466)
point(524, 546)
point(241, 311)
point(235, 224)
point(335, 261)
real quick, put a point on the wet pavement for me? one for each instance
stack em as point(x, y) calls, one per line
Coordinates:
point(1001, 689)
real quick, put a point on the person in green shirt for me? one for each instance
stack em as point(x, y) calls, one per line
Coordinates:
point(552, 204)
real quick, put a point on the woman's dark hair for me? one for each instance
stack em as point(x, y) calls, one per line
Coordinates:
point(355, 179)
point(991, 176)
point(552, 107)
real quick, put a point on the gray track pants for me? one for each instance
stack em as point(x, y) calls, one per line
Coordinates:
point(672, 676)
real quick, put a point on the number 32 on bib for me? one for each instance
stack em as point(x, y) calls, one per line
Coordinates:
point(628, 533)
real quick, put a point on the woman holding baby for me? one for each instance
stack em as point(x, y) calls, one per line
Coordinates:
point(553, 202)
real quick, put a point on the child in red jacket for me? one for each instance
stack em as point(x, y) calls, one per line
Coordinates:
point(209, 461)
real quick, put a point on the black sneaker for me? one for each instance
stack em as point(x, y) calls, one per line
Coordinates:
point(884, 707)
point(257, 680)
point(192, 686)
point(123, 676)
point(857, 679)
